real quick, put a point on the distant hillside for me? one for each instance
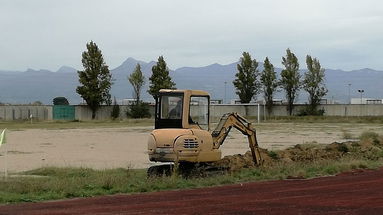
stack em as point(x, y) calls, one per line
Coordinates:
point(42, 85)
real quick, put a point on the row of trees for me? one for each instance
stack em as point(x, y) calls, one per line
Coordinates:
point(160, 79)
point(250, 82)
point(96, 81)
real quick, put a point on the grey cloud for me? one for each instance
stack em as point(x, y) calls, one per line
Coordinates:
point(52, 33)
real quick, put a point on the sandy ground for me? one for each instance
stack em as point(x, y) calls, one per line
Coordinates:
point(102, 148)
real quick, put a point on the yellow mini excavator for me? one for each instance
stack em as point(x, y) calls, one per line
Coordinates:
point(182, 131)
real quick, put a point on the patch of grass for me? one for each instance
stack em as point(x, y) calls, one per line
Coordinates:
point(20, 125)
point(61, 183)
point(374, 138)
point(330, 119)
point(342, 148)
point(273, 155)
point(368, 135)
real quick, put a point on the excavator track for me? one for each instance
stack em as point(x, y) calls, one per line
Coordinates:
point(160, 170)
point(188, 169)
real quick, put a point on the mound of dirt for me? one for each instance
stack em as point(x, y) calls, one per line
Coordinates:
point(368, 148)
point(239, 161)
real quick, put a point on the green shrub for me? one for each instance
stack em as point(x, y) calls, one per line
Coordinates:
point(60, 101)
point(342, 148)
point(138, 110)
point(308, 111)
point(273, 155)
point(370, 136)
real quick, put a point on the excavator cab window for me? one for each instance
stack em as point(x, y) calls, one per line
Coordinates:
point(199, 111)
point(169, 111)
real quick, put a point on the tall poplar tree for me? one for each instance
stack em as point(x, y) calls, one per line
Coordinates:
point(313, 84)
point(246, 82)
point(290, 79)
point(269, 83)
point(160, 78)
point(95, 79)
point(139, 109)
point(137, 80)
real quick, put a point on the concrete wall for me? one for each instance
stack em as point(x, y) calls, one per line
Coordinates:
point(336, 110)
point(82, 112)
point(23, 112)
point(281, 110)
point(216, 111)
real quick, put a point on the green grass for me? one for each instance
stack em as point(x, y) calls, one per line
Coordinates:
point(19, 125)
point(326, 119)
point(22, 124)
point(368, 135)
point(59, 183)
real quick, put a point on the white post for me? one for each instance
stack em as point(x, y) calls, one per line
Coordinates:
point(349, 93)
point(3, 142)
point(224, 101)
point(6, 163)
point(258, 112)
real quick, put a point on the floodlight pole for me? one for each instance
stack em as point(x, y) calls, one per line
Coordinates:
point(225, 93)
point(349, 93)
point(361, 95)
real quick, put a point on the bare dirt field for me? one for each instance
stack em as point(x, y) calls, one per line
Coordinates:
point(357, 192)
point(103, 148)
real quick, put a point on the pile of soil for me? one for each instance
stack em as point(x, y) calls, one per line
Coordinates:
point(370, 148)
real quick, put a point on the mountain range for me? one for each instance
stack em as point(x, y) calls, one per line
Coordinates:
point(43, 85)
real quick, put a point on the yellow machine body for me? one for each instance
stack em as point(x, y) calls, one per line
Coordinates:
point(182, 129)
point(187, 142)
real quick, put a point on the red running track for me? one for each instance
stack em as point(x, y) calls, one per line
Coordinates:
point(359, 192)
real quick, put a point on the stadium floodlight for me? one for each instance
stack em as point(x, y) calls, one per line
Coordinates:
point(361, 95)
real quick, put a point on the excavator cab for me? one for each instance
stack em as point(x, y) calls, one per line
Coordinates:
point(182, 109)
point(169, 110)
point(182, 131)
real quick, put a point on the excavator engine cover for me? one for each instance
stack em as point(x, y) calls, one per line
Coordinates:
point(182, 145)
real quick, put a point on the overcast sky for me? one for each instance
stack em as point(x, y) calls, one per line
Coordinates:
point(46, 34)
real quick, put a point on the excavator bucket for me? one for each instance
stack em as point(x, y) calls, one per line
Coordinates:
point(253, 144)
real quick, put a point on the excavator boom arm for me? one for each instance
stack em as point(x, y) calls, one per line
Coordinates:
point(235, 120)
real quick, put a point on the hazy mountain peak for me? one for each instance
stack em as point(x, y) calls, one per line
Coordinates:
point(66, 69)
point(128, 65)
point(196, 67)
point(30, 70)
point(129, 60)
point(368, 70)
point(132, 61)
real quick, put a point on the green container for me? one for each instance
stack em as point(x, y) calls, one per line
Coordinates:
point(63, 112)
